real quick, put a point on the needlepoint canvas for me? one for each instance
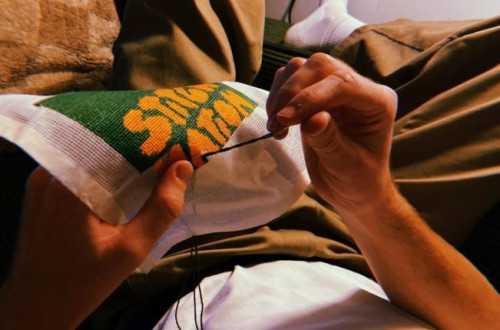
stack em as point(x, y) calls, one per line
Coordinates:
point(108, 148)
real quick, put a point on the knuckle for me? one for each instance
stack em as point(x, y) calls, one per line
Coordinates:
point(295, 63)
point(344, 81)
point(321, 58)
point(279, 71)
point(309, 94)
point(392, 95)
point(345, 77)
point(288, 90)
point(390, 100)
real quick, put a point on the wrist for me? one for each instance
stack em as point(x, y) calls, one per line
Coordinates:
point(369, 193)
point(386, 206)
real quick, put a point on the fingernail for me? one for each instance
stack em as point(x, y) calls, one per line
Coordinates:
point(184, 172)
point(286, 113)
point(279, 120)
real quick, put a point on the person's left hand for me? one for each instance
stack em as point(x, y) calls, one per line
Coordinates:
point(68, 260)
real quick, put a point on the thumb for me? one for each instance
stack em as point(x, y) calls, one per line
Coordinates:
point(163, 206)
point(321, 134)
point(325, 147)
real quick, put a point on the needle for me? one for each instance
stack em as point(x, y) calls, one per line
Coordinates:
point(208, 154)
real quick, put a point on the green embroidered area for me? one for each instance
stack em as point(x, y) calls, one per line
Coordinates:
point(171, 124)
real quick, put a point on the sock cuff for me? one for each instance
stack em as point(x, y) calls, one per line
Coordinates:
point(337, 32)
point(322, 2)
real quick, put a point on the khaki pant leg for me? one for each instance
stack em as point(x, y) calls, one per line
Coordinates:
point(446, 150)
point(169, 43)
point(446, 167)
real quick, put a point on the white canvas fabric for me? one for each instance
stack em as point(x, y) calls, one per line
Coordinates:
point(82, 139)
point(295, 295)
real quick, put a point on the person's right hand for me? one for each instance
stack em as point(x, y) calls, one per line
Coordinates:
point(346, 122)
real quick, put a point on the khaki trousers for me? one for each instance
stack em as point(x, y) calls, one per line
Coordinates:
point(170, 43)
point(446, 150)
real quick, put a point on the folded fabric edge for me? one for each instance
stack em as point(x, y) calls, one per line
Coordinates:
point(76, 181)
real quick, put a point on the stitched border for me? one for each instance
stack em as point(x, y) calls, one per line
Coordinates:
point(398, 42)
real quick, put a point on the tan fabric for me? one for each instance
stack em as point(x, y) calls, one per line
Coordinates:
point(445, 161)
point(446, 155)
point(170, 43)
point(53, 46)
point(309, 230)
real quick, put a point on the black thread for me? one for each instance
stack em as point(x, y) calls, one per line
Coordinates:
point(194, 266)
point(198, 280)
point(208, 154)
point(194, 304)
point(194, 273)
point(196, 284)
point(183, 288)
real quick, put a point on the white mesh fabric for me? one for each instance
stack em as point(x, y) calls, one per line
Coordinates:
point(238, 189)
point(244, 187)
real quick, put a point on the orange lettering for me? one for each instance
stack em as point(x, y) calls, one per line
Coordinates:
point(206, 121)
point(199, 145)
point(159, 129)
point(153, 103)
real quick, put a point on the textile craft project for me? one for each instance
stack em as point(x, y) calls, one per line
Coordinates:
point(108, 148)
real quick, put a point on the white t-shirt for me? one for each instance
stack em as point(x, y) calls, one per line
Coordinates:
point(289, 295)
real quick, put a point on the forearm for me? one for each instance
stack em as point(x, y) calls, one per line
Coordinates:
point(418, 270)
point(68, 260)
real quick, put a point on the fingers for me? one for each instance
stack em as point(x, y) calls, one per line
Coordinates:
point(297, 75)
point(281, 76)
point(323, 83)
point(163, 207)
point(321, 136)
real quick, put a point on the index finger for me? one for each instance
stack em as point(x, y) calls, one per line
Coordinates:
point(313, 70)
point(280, 77)
point(342, 88)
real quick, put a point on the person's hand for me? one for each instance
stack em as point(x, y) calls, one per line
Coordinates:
point(346, 122)
point(68, 260)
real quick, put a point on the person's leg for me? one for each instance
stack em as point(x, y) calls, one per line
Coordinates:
point(324, 28)
point(169, 43)
point(308, 231)
point(394, 53)
point(445, 155)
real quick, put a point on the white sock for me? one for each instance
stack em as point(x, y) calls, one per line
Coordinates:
point(326, 27)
